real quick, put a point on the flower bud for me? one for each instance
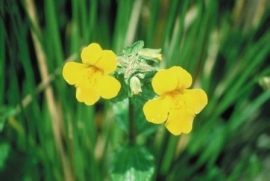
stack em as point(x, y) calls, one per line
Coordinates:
point(135, 85)
point(150, 54)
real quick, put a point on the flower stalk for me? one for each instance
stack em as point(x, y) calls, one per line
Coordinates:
point(132, 131)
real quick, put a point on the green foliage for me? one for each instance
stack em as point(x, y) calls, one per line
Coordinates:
point(47, 135)
point(4, 151)
point(5, 113)
point(134, 48)
point(132, 162)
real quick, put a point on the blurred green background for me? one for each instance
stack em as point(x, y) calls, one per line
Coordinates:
point(45, 134)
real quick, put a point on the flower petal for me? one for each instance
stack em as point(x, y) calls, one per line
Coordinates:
point(156, 110)
point(107, 62)
point(91, 54)
point(164, 81)
point(195, 99)
point(87, 95)
point(180, 121)
point(108, 87)
point(184, 78)
point(72, 72)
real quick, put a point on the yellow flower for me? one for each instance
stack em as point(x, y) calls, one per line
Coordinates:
point(176, 105)
point(91, 77)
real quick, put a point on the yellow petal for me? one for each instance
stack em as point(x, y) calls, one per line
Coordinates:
point(184, 78)
point(87, 95)
point(108, 87)
point(72, 72)
point(180, 121)
point(195, 99)
point(164, 81)
point(156, 110)
point(91, 54)
point(107, 62)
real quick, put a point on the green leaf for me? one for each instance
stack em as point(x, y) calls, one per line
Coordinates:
point(134, 48)
point(4, 152)
point(5, 113)
point(132, 162)
point(121, 114)
point(124, 91)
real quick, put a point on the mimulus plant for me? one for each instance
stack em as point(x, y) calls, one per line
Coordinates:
point(175, 105)
point(144, 94)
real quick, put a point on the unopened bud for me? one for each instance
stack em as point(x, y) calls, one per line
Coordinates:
point(150, 54)
point(135, 85)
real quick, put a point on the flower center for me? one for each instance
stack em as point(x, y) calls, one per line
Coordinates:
point(94, 75)
point(179, 103)
point(91, 76)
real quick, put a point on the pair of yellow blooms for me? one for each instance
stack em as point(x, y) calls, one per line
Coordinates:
point(176, 105)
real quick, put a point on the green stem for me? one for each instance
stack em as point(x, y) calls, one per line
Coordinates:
point(132, 132)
